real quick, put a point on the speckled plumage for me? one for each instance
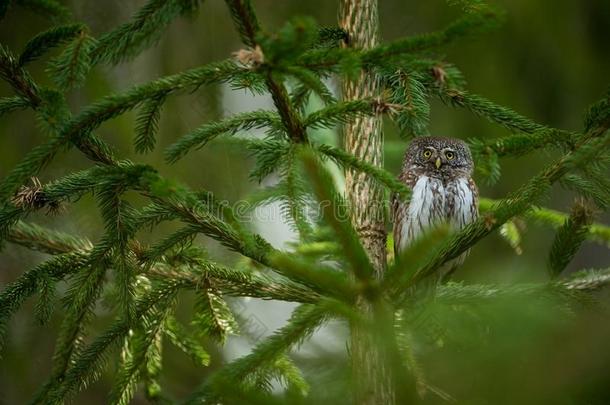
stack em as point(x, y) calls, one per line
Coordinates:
point(439, 173)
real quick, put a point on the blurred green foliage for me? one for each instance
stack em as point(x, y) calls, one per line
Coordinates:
point(547, 61)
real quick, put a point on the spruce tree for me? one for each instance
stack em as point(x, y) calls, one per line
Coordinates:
point(339, 267)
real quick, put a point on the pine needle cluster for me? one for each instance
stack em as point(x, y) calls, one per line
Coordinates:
point(328, 270)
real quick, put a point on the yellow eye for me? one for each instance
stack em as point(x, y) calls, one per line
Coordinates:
point(449, 155)
point(427, 154)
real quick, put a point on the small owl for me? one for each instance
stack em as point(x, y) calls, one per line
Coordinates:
point(439, 173)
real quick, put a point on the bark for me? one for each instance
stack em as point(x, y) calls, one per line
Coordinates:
point(371, 376)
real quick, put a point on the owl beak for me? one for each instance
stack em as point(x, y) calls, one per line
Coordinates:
point(438, 163)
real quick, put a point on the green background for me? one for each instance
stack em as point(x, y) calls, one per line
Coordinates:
point(548, 61)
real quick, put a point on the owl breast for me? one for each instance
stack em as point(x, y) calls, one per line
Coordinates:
point(434, 202)
point(461, 203)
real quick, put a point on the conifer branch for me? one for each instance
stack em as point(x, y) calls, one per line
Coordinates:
point(330, 37)
point(177, 240)
point(332, 59)
point(46, 240)
point(271, 155)
point(569, 238)
point(229, 281)
point(119, 224)
point(183, 340)
point(336, 213)
point(535, 135)
point(70, 69)
point(52, 108)
point(83, 293)
point(207, 132)
point(345, 160)
point(493, 112)
point(597, 232)
point(303, 322)
point(147, 124)
point(17, 77)
point(235, 282)
point(34, 161)
point(47, 40)
point(408, 90)
point(214, 317)
point(588, 280)
point(145, 28)
point(296, 197)
point(518, 145)
point(46, 298)
point(40, 156)
point(14, 294)
point(245, 20)
point(290, 117)
point(591, 183)
point(316, 271)
point(199, 217)
point(597, 118)
point(323, 279)
point(114, 105)
point(142, 341)
point(407, 263)
point(10, 104)
point(468, 25)
point(345, 111)
point(70, 187)
point(247, 23)
point(581, 282)
point(470, 6)
point(78, 129)
point(173, 201)
point(310, 82)
point(249, 245)
point(87, 366)
point(192, 212)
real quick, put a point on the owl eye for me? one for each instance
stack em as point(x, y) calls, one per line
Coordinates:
point(427, 154)
point(449, 155)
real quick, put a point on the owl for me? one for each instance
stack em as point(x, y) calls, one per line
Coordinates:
point(439, 173)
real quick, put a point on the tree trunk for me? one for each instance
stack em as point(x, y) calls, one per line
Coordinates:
point(363, 138)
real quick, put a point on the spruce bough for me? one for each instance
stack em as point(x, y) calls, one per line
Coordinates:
point(331, 272)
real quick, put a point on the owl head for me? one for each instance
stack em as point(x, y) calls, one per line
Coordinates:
point(439, 156)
